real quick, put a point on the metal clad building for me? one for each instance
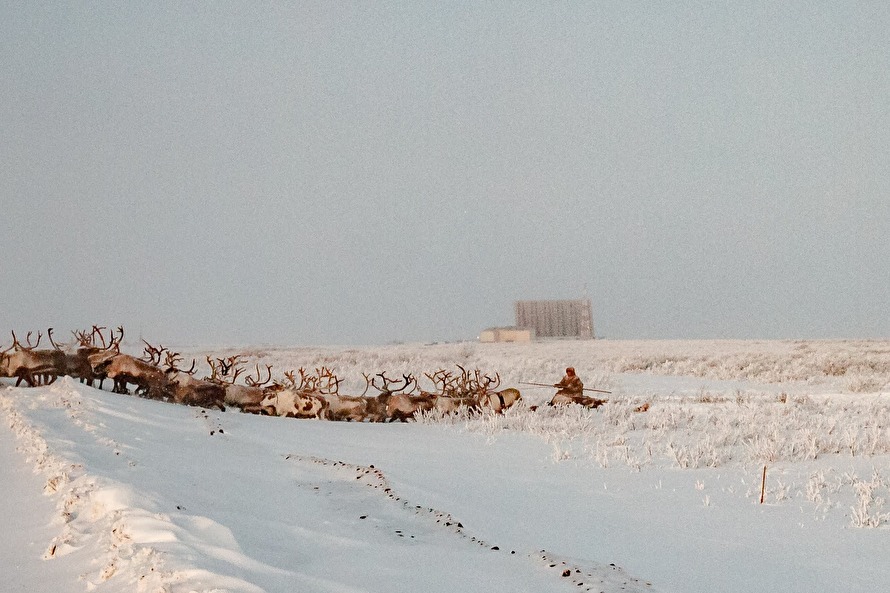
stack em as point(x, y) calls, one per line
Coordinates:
point(556, 319)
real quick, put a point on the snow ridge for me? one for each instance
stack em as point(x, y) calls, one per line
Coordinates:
point(104, 521)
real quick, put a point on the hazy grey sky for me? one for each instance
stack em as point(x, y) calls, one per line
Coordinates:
point(338, 172)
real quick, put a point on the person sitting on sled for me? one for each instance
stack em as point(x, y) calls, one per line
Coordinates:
point(570, 385)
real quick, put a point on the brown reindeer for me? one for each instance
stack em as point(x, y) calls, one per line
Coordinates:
point(401, 402)
point(78, 362)
point(486, 392)
point(324, 384)
point(183, 388)
point(243, 396)
point(265, 396)
point(347, 407)
point(123, 369)
point(225, 372)
point(34, 367)
point(450, 396)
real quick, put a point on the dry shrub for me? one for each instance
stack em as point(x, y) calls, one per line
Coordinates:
point(865, 385)
point(835, 368)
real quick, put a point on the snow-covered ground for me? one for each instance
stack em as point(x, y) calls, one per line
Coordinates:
point(116, 493)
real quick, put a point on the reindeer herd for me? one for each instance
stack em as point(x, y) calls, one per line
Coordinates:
point(92, 358)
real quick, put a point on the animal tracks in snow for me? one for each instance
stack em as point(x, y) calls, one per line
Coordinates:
point(213, 425)
point(341, 479)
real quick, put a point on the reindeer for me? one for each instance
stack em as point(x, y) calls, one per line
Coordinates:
point(349, 408)
point(489, 398)
point(498, 401)
point(325, 385)
point(225, 372)
point(242, 396)
point(292, 404)
point(263, 396)
point(306, 399)
point(292, 399)
point(450, 396)
point(252, 397)
point(78, 363)
point(483, 388)
point(35, 367)
point(397, 397)
point(183, 388)
point(123, 369)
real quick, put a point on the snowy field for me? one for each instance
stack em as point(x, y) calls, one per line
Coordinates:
point(115, 493)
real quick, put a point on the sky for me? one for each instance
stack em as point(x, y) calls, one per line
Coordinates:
point(364, 173)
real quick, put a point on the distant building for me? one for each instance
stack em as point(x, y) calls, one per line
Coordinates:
point(507, 334)
point(557, 319)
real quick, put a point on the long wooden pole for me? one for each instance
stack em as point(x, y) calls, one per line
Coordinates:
point(554, 386)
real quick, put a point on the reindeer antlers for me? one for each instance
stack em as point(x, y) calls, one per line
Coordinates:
point(153, 354)
point(257, 382)
point(98, 331)
point(172, 359)
point(389, 386)
point(19, 346)
point(49, 334)
point(225, 370)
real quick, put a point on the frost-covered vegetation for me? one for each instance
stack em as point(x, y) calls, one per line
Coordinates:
point(858, 366)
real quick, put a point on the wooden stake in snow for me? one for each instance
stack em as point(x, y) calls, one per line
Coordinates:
point(763, 485)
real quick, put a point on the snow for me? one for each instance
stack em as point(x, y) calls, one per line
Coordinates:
point(108, 492)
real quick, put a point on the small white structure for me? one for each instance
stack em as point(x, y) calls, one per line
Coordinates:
point(507, 334)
